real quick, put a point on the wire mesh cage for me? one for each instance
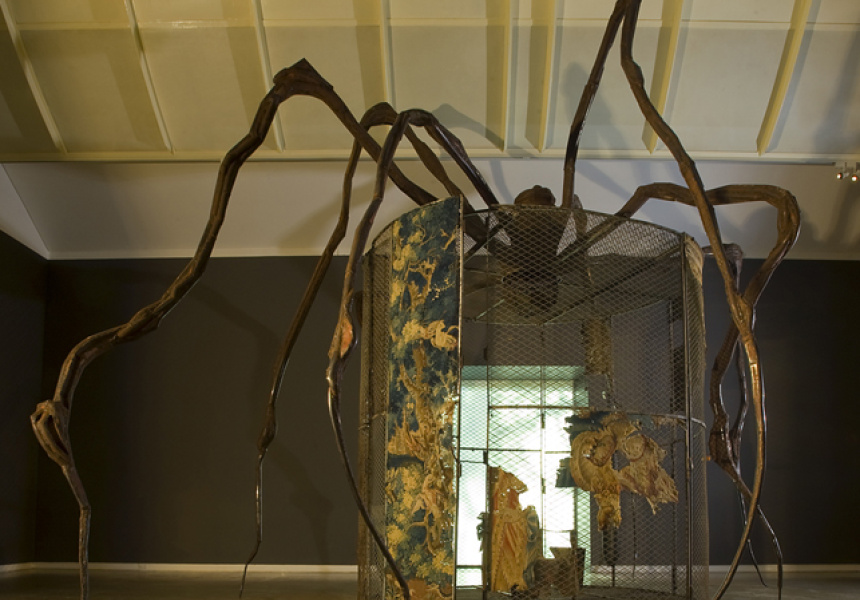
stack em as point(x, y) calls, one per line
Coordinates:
point(532, 413)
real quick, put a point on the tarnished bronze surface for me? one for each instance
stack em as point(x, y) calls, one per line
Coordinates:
point(51, 418)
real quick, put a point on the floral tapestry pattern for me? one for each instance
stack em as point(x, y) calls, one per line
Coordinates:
point(423, 396)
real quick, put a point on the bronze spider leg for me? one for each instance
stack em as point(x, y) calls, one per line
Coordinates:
point(740, 306)
point(735, 254)
point(736, 258)
point(345, 335)
point(50, 423)
point(588, 94)
point(736, 433)
point(380, 114)
point(724, 444)
point(50, 420)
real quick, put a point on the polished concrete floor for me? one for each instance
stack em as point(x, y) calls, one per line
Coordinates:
point(139, 585)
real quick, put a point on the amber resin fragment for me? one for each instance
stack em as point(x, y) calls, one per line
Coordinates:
point(644, 475)
point(592, 470)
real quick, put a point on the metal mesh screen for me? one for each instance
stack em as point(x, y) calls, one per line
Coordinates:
point(575, 331)
point(579, 429)
point(694, 315)
point(374, 412)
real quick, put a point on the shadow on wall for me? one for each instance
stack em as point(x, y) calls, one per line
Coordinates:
point(165, 429)
point(844, 237)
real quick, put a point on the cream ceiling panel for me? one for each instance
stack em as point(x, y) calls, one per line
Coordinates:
point(601, 9)
point(301, 217)
point(440, 9)
point(723, 84)
point(836, 12)
point(302, 10)
point(456, 71)
point(21, 126)
point(68, 11)
point(823, 114)
point(94, 87)
point(180, 79)
point(614, 120)
point(756, 11)
point(208, 81)
point(159, 11)
point(349, 58)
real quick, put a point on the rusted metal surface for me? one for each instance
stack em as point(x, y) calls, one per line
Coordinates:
point(51, 418)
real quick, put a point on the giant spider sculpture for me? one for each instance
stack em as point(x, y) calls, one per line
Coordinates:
point(51, 419)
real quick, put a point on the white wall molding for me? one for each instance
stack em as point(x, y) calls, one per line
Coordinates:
point(15, 220)
point(101, 211)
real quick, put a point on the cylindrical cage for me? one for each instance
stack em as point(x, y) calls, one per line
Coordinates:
point(532, 407)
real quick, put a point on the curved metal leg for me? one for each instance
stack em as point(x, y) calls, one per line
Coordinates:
point(380, 114)
point(588, 94)
point(724, 442)
point(51, 418)
point(345, 336)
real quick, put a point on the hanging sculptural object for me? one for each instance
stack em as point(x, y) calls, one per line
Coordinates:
point(526, 288)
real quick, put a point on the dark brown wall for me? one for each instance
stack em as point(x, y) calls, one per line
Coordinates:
point(165, 428)
point(808, 331)
point(22, 309)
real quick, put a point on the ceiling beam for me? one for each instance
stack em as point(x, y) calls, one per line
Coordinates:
point(147, 76)
point(546, 12)
point(500, 16)
point(664, 62)
point(787, 63)
point(32, 81)
point(266, 67)
point(387, 55)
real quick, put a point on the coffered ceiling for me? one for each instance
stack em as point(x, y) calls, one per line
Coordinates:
point(150, 81)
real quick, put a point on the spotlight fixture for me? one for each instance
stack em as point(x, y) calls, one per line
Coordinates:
point(846, 170)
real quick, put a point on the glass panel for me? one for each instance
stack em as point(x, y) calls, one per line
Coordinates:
point(517, 414)
point(563, 372)
point(556, 439)
point(473, 414)
point(515, 429)
point(515, 392)
point(468, 577)
point(558, 392)
point(506, 372)
point(473, 502)
point(472, 455)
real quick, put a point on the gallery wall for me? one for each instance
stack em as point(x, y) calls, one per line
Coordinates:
point(807, 329)
point(22, 310)
point(165, 428)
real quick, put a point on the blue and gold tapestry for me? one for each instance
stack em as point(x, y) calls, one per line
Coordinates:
point(423, 399)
